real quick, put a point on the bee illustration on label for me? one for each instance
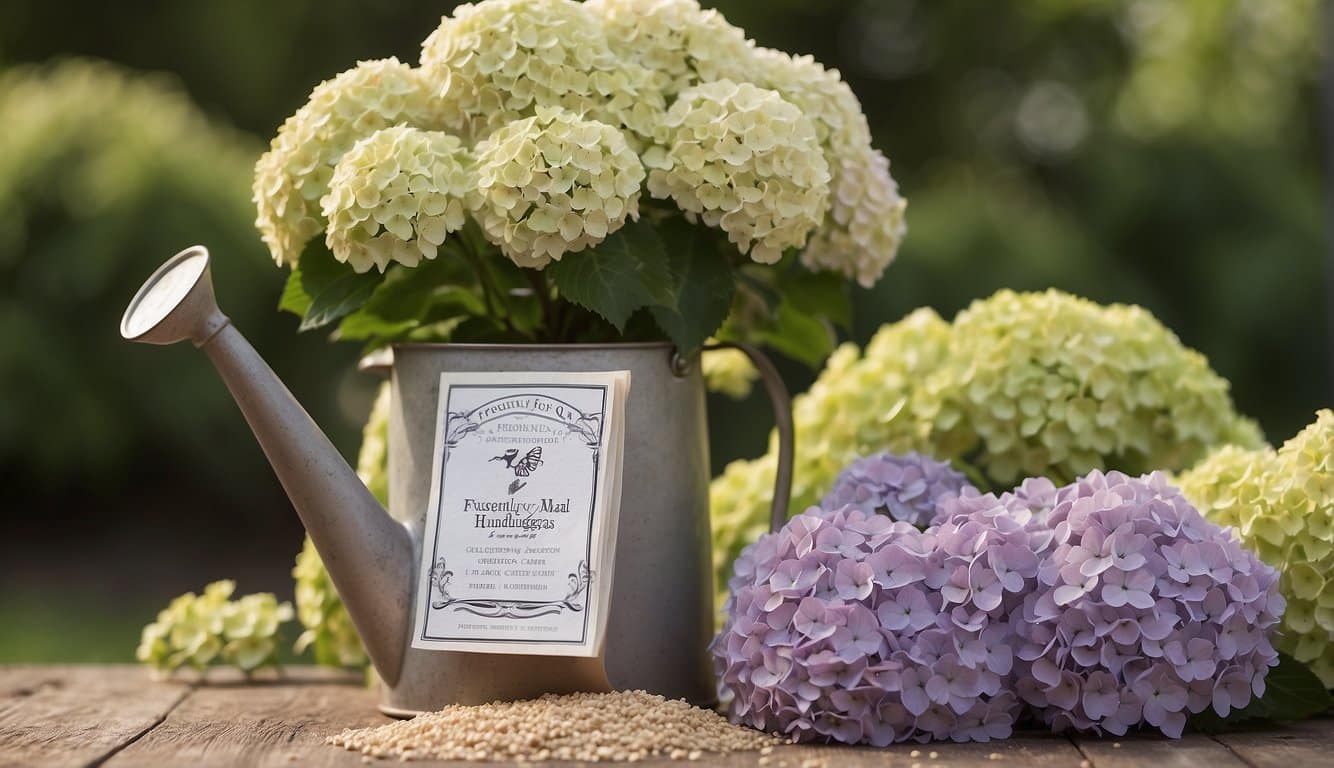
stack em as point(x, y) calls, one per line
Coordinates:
point(521, 466)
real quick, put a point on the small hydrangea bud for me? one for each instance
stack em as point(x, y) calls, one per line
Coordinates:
point(1144, 611)
point(554, 184)
point(745, 161)
point(395, 196)
point(908, 488)
point(865, 224)
point(294, 174)
point(728, 371)
point(499, 61)
point(1282, 504)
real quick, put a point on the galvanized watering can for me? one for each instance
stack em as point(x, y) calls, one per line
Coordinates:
point(661, 616)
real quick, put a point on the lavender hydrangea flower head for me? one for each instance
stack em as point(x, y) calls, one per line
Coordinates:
point(1144, 611)
point(852, 626)
point(905, 487)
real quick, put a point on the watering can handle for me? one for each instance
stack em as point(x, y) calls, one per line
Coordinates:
point(782, 405)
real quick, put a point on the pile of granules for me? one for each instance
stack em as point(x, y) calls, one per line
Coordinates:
point(592, 727)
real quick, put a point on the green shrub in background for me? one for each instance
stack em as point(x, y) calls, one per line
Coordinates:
point(104, 173)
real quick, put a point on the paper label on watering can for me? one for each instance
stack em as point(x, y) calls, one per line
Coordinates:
point(521, 529)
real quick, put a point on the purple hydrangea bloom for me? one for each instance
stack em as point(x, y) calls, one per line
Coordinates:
point(1144, 611)
point(847, 625)
point(904, 487)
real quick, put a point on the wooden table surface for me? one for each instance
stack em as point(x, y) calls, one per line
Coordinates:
point(116, 716)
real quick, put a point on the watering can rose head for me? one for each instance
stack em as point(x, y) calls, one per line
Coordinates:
point(555, 167)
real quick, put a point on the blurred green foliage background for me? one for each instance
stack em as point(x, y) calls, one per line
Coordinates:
point(1170, 153)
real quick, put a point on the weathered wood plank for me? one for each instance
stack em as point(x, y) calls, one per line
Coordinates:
point(59, 716)
point(1193, 749)
point(1308, 744)
point(267, 723)
point(1027, 750)
point(285, 724)
point(83, 715)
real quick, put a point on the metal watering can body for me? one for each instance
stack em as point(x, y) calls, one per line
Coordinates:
point(661, 616)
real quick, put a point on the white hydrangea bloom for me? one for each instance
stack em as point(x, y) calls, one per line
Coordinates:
point(745, 160)
point(677, 42)
point(395, 196)
point(554, 184)
point(500, 60)
point(865, 224)
point(294, 174)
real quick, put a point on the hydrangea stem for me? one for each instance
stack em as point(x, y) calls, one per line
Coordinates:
point(538, 279)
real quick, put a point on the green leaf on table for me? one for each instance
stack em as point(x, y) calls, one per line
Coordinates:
point(818, 293)
point(802, 336)
point(1292, 692)
point(627, 271)
point(703, 284)
point(326, 288)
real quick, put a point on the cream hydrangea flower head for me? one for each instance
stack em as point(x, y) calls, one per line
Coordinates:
point(294, 174)
point(865, 224)
point(1282, 504)
point(1049, 384)
point(744, 160)
point(197, 630)
point(554, 184)
point(678, 43)
point(499, 61)
point(395, 196)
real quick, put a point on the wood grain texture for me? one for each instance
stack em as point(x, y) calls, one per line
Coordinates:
point(117, 716)
point(1193, 749)
point(269, 723)
point(1309, 744)
point(57, 716)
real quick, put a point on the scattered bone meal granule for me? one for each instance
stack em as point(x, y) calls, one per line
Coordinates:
point(591, 727)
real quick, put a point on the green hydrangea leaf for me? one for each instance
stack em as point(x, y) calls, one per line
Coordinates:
point(333, 288)
point(627, 271)
point(802, 336)
point(702, 281)
point(411, 298)
point(1292, 692)
point(294, 298)
point(818, 293)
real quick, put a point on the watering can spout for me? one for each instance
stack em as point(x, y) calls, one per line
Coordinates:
point(368, 555)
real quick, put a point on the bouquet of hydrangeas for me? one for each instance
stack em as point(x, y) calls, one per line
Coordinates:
point(563, 171)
